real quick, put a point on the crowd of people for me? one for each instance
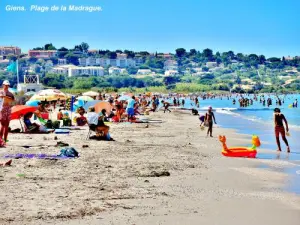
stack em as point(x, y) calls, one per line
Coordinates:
point(129, 109)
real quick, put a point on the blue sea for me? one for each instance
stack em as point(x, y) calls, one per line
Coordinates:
point(255, 119)
point(258, 119)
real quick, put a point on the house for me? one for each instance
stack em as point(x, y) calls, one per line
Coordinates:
point(171, 72)
point(62, 62)
point(144, 72)
point(114, 70)
point(72, 70)
point(42, 54)
point(211, 64)
point(122, 61)
point(170, 65)
point(87, 70)
point(9, 50)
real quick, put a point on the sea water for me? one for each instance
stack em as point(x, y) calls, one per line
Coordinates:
point(254, 119)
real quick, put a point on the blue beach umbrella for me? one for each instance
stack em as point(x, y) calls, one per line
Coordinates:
point(90, 104)
point(33, 103)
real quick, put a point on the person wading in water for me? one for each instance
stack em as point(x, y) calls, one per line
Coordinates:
point(209, 118)
point(279, 128)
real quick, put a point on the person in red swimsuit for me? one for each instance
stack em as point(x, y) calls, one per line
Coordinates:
point(279, 128)
point(5, 112)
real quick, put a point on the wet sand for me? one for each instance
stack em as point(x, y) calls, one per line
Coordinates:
point(160, 173)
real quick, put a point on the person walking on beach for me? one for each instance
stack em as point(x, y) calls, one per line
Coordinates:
point(5, 109)
point(209, 118)
point(130, 108)
point(279, 128)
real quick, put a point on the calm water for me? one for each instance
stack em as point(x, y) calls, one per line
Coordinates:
point(255, 119)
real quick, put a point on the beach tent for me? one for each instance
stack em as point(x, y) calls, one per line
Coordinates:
point(90, 104)
point(49, 95)
point(33, 103)
point(90, 93)
point(85, 98)
point(103, 105)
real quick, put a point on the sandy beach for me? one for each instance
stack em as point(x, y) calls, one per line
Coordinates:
point(156, 173)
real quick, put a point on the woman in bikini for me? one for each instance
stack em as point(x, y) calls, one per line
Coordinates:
point(209, 118)
point(279, 128)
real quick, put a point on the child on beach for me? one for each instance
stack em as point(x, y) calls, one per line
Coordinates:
point(279, 128)
point(166, 106)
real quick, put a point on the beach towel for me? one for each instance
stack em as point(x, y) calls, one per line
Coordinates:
point(31, 156)
point(62, 131)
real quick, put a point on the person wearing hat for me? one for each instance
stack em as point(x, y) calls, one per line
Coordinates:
point(209, 118)
point(279, 128)
point(5, 109)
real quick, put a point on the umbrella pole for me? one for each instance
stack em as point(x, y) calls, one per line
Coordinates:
point(21, 125)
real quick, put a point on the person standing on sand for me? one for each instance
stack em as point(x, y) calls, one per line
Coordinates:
point(209, 118)
point(5, 111)
point(279, 128)
point(130, 108)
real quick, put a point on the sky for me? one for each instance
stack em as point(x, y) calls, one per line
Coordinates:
point(268, 27)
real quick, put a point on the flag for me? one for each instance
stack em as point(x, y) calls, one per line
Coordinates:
point(72, 104)
point(12, 67)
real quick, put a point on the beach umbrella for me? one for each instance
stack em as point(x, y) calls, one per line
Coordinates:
point(18, 111)
point(124, 98)
point(90, 93)
point(49, 95)
point(30, 93)
point(103, 105)
point(85, 98)
point(33, 103)
point(90, 104)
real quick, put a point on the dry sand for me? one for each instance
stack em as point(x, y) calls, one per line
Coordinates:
point(114, 183)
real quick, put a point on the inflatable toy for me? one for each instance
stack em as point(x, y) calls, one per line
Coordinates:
point(248, 152)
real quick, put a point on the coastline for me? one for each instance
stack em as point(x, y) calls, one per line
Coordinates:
point(111, 182)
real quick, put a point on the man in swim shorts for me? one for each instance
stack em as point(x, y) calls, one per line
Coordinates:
point(279, 128)
point(130, 108)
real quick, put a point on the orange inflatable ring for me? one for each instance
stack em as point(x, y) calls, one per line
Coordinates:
point(240, 151)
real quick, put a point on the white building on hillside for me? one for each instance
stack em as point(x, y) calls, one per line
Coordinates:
point(119, 62)
point(170, 65)
point(87, 70)
point(211, 64)
point(171, 72)
point(72, 70)
point(144, 72)
point(62, 62)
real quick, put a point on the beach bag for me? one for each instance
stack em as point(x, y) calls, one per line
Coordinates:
point(56, 124)
point(68, 152)
point(67, 122)
point(49, 124)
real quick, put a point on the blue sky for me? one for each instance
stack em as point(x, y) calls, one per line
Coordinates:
point(269, 27)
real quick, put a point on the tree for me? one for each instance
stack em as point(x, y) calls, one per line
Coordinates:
point(38, 48)
point(73, 59)
point(262, 59)
point(205, 69)
point(130, 54)
point(180, 52)
point(119, 51)
point(32, 60)
point(49, 47)
point(61, 53)
point(193, 52)
point(84, 47)
point(208, 53)
point(112, 55)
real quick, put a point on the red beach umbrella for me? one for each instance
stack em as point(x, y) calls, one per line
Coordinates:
point(20, 110)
